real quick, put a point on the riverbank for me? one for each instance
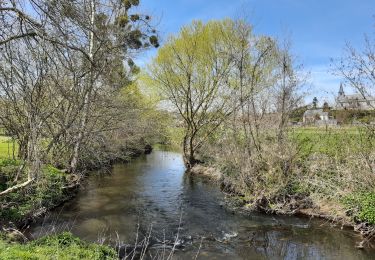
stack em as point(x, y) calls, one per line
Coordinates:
point(54, 188)
point(300, 205)
point(61, 246)
point(154, 192)
point(29, 205)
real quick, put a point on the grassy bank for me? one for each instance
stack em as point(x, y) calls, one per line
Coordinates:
point(314, 171)
point(53, 187)
point(33, 201)
point(62, 246)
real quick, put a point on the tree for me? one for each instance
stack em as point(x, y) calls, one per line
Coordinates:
point(357, 67)
point(59, 80)
point(289, 81)
point(326, 107)
point(16, 24)
point(253, 74)
point(105, 33)
point(315, 102)
point(192, 71)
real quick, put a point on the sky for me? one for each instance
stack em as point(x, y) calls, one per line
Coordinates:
point(318, 29)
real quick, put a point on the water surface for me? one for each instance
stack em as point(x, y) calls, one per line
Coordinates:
point(154, 192)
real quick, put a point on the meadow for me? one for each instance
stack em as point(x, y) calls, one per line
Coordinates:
point(7, 148)
point(334, 141)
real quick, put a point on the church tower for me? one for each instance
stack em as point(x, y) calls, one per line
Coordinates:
point(341, 91)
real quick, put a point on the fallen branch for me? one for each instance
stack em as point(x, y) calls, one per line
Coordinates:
point(16, 187)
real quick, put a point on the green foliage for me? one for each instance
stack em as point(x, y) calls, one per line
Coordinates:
point(9, 162)
point(6, 147)
point(315, 102)
point(51, 171)
point(8, 170)
point(122, 20)
point(174, 136)
point(154, 41)
point(62, 246)
point(333, 142)
point(127, 4)
point(297, 114)
point(134, 17)
point(190, 70)
point(362, 206)
point(135, 39)
point(46, 193)
point(348, 116)
point(134, 2)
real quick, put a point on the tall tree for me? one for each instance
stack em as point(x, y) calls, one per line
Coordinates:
point(315, 102)
point(192, 70)
point(61, 65)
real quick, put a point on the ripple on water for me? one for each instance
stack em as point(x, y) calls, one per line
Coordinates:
point(153, 190)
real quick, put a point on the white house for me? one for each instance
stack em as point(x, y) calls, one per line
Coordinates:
point(313, 115)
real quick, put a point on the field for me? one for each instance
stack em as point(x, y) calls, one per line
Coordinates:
point(6, 148)
point(335, 142)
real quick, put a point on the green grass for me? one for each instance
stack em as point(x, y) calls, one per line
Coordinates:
point(46, 193)
point(362, 206)
point(63, 247)
point(337, 142)
point(6, 147)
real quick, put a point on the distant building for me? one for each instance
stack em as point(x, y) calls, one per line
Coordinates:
point(317, 117)
point(313, 115)
point(355, 101)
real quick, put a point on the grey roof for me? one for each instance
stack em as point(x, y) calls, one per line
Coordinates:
point(354, 97)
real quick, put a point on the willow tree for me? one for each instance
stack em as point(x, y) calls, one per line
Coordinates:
point(192, 71)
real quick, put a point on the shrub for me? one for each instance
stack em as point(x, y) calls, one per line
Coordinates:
point(362, 206)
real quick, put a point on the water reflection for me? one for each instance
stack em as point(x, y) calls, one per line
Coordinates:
point(153, 190)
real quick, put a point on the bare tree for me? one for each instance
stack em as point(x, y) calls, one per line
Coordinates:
point(358, 68)
point(288, 87)
point(61, 68)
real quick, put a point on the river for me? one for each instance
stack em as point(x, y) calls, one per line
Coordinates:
point(153, 193)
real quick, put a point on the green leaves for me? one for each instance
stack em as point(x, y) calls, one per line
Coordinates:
point(61, 246)
point(362, 206)
point(128, 3)
point(154, 41)
point(122, 20)
point(134, 17)
point(134, 2)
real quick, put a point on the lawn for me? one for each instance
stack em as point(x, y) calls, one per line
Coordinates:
point(6, 147)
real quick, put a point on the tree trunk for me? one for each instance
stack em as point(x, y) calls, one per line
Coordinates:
point(87, 98)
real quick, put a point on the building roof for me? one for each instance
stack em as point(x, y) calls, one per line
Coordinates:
point(354, 97)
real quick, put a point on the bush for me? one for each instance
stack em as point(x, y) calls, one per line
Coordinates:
point(46, 193)
point(362, 206)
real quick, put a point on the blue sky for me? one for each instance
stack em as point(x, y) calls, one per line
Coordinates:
point(318, 29)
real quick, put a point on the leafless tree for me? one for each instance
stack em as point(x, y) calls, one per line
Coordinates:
point(357, 67)
point(62, 65)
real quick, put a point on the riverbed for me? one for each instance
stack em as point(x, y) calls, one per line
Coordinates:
point(153, 195)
